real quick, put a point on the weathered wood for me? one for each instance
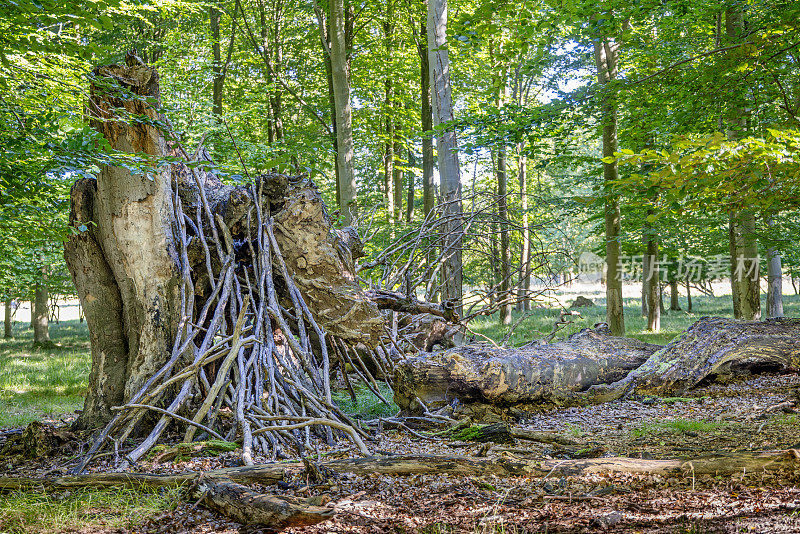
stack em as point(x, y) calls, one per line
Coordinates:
point(477, 375)
point(712, 347)
point(249, 507)
point(262, 474)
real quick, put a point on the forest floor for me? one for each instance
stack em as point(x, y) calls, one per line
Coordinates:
point(716, 419)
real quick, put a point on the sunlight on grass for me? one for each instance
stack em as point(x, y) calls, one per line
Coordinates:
point(539, 322)
point(678, 425)
point(81, 509)
point(367, 405)
point(37, 384)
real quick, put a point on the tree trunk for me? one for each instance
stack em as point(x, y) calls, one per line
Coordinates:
point(397, 176)
point(745, 280)
point(775, 284)
point(688, 296)
point(524, 303)
point(710, 348)
point(449, 170)
point(591, 366)
point(747, 266)
point(131, 252)
point(606, 52)
point(651, 277)
point(645, 276)
point(502, 210)
point(426, 115)
point(344, 117)
point(8, 334)
point(41, 314)
point(484, 379)
point(736, 295)
point(410, 191)
point(674, 303)
point(388, 116)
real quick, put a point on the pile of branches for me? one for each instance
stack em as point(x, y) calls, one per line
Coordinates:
point(250, 358)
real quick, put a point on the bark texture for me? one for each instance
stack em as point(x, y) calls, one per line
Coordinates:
point(480, 376)
point(591, 366)
point(714, 347)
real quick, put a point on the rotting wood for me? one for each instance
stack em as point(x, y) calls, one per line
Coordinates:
point(249, 507)
point(427, 464)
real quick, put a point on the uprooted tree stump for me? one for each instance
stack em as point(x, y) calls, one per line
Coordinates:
point(591, 366)
point(222, 308)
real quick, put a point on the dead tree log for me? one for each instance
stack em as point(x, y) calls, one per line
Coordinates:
point(249, 507)
point(481, 377)
point(710, 348)
point(592, 366)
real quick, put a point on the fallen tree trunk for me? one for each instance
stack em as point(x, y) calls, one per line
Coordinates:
point(249, 507)
point(591, 367)
point(710, 348)
point(483, 380)
point(430, 464)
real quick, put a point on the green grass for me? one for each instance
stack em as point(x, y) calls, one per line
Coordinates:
point(539, 322)
point(81, 509)
point(678, 425)
point(367, 405)
point(40, 384)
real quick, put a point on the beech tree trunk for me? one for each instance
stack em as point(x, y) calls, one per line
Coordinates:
point(124, 265)
point(449, 169)
point(606, 52)
point(774, 284)
point(344, 117)
point(41, 315)
point(7, 334)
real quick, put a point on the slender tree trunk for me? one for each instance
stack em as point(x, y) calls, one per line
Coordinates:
point(688, 296)
point(645, 270)
point(344, 117)
point(449, 171)
point(41, 314)
point(410, 191)
point(8, 334)
point(674, 303)
point(651, 280)
point(388, 116)
point(606, 51)
point(736, 294)
point(524, 259)
point(775, 284)
point(426, 114)
point(397, 177)
point(502, 208)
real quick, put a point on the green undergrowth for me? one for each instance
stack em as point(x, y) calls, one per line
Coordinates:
point(367, 405)
point(677, 426)
point(82, 509)
point(37, 384)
